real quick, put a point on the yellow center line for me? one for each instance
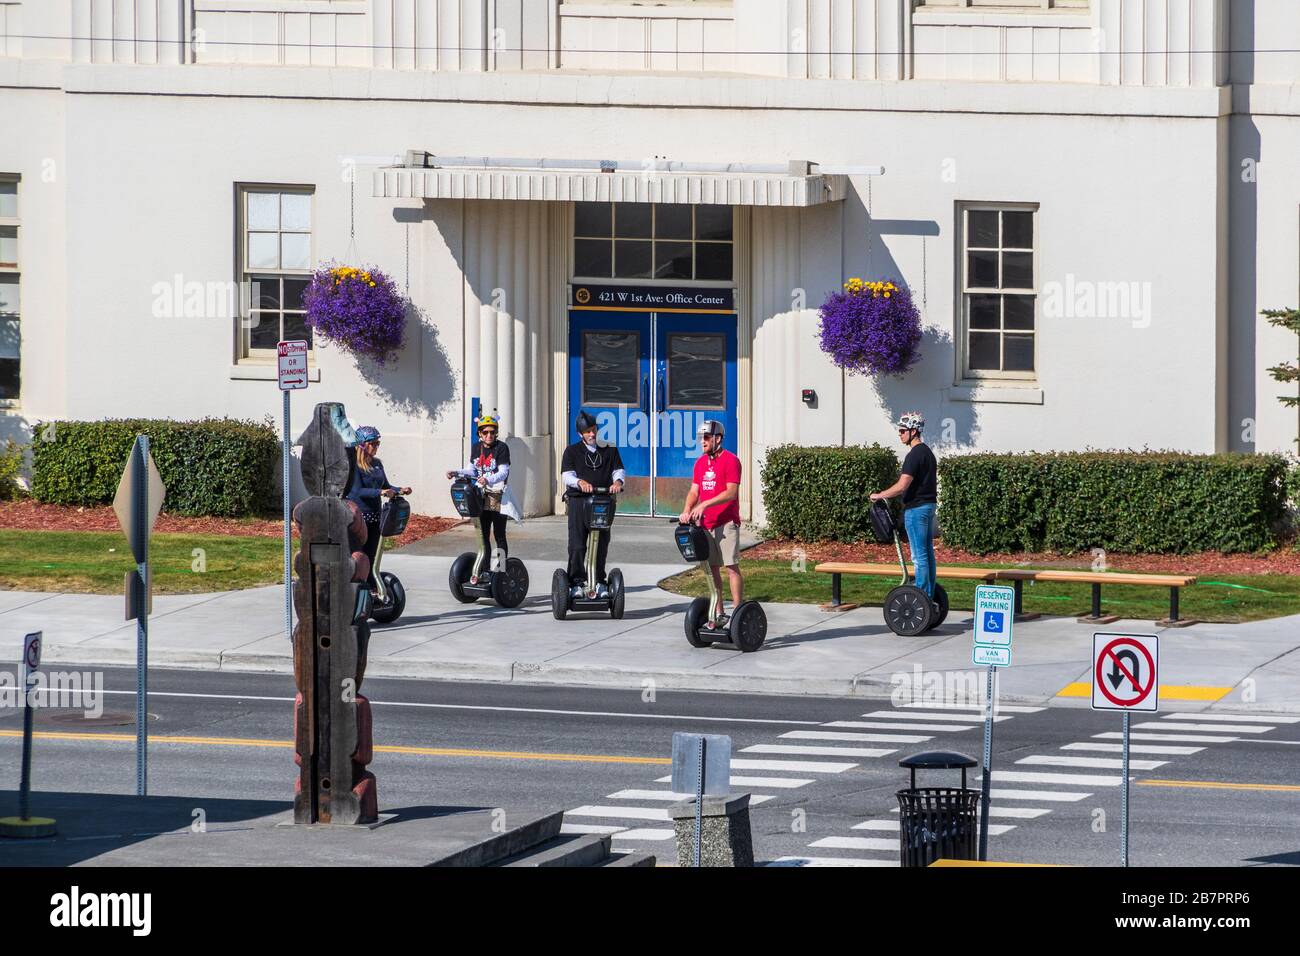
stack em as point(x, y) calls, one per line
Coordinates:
point(387, 749)
point(1217, 785)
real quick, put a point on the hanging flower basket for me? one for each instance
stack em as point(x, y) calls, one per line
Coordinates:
point(359, 309)
point(872, 328)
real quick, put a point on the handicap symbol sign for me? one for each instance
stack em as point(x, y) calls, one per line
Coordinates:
point(994, 607)
point(993, 622)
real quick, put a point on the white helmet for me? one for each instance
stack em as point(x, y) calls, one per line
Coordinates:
point(710, 427)
point(912, 421)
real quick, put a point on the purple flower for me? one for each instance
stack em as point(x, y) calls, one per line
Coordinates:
point(359, 308)
point(871, 328)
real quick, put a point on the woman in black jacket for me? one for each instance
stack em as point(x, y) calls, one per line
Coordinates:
point(368, 487)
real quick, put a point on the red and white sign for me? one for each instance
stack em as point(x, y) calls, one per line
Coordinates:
point(1125, 672)
point(292, 364)
point(31, 657)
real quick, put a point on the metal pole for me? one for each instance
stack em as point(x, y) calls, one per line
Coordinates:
point(141, 495)
point(25, 788)
point(288, 574)
point(699, 801)
point(986, 782)
point(1123, 820)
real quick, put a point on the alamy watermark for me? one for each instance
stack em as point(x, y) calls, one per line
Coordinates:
point(66, 689)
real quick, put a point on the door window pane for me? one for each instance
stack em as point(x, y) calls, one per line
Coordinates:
point(696, 371)
point(611, 368)
point(594, 219)
point(672, 260)
point(713, 260)
point(593, 257)
point(673, 222)
point(632, 260)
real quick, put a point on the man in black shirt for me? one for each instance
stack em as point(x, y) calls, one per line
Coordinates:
point(585, 467)
point(918, 484)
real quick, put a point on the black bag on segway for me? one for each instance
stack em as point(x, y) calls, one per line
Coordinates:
point(882, 522)
point(692, 542)
point(394, 517)
point(466, 498)
point(600, 511)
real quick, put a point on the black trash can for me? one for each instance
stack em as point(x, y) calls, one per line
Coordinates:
point(937, 822)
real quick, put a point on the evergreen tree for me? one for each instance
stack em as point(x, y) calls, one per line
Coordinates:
point(1289, 372)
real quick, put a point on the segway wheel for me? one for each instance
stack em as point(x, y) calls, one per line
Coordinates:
point(941, 602)
point(907, 610)
point(696, 617)
point(616, 594)
point(392, 609)
point(459, 575)
point(559, 594)
point(510, 584)
point(749, 626)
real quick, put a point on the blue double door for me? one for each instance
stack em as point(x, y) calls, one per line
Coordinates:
point(650, 379)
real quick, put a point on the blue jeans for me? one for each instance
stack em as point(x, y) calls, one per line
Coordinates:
point(919, 524)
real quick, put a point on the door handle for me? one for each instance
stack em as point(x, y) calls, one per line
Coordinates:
point(660, 403)
point(645, 395)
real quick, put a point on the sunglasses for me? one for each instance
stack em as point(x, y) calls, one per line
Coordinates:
point(487, 431)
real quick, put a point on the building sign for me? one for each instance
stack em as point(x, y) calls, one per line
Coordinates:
point(640, 298)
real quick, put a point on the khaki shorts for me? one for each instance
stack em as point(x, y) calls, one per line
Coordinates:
point(724, 545)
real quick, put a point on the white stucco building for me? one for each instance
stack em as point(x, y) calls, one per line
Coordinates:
point(1091, 200)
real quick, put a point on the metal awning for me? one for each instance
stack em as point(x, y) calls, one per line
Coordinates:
point(425, 176)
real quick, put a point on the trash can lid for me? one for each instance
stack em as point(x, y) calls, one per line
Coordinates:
point(938, 760)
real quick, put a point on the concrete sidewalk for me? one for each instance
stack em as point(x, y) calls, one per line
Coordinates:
point(1244, 667)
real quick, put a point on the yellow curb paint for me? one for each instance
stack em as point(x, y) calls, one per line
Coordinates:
point(1219, 785)
point(420, 751)
point(1167, 692)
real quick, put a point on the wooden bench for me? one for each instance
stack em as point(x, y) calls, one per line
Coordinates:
point(838, 568)
point(1018, 576)
point(1097, 578)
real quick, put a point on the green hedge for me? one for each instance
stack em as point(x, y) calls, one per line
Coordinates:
point(217, 466)
point(1132, 502)
point(11, 466)
point(819, 494)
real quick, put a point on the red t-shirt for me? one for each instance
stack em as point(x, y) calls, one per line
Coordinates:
point(713, 475)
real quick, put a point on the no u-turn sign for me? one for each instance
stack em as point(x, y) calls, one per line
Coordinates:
point(1125, 672)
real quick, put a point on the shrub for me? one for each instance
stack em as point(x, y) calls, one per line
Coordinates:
point(820, 494)
point(216, 466)
point(1131, 502)
point(11, 465)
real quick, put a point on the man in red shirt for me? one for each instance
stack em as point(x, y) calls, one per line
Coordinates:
point(714, 503)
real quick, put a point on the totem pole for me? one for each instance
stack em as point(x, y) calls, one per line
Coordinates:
point(332, 725)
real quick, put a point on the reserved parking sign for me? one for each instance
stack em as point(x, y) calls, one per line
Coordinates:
point(994, 618)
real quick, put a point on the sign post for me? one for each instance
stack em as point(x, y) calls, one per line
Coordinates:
point(994, 619)
point(1125, 677)
point(291, 374)
point(26, 825)
point(138, 500)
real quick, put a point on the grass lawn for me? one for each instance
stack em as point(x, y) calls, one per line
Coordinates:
point(1223, 598)
point(94, 561)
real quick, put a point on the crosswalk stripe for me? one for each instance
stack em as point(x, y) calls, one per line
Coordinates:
point(864, 738)
point(817, 751)
point(995, 829)
point(1104, 763)
point(927, 715)
point(1074, 779)
point(1203, 728)
point(1008, 708)
point(589, 828)
point(1050, 796)
point(854, 843)
point(811, 861)
point(669, 797)
point(1242, 718)
point(645, 834)
point(806, 766)
point(1136, 748)
point(630, 813)
point(882, 725)
point(1186, 738)
point(1019, 813)
point(779, 783)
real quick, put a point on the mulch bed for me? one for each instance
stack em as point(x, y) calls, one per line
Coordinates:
point(29, 515)
point(1285, 560)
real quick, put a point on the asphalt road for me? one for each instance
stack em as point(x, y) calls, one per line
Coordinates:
point(1212, 791)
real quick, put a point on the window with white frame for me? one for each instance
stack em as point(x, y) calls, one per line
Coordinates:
point(275, 253)
point(10, 302)
point(998, 291)
point(652, 241)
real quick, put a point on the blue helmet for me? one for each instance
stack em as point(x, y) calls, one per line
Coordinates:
point(367, 433)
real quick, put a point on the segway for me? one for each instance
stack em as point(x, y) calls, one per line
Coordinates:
point(907, 610)
point(747, 628)
point(390, 596)
point(471, 576)
point(567, 596)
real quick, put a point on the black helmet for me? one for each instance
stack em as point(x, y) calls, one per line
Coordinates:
point(584, 422)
